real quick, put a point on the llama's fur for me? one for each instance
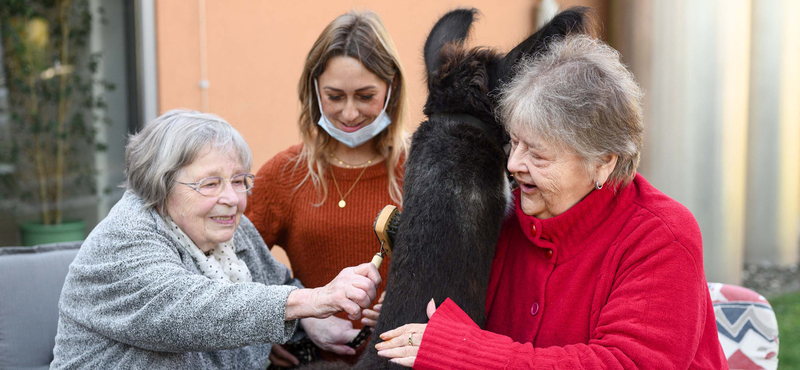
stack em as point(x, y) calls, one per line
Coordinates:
point(455, 188)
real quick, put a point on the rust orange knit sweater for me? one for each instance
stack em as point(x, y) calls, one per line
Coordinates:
point(319, 240)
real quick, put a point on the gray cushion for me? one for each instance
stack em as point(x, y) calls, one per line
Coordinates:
point(30, 285)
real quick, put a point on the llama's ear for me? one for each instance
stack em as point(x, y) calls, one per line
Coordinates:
point(572, 20)
point(452, 27)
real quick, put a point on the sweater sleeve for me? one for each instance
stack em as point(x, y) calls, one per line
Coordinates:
point(134, 289)
point(277, 271)
point(268, 206)
point(653, 318)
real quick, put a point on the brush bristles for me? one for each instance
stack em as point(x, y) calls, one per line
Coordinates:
point(392, 226)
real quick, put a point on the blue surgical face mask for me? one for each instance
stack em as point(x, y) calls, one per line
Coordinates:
point(364, 134)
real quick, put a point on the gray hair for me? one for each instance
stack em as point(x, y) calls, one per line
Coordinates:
point(155, 156)
point(579, 95)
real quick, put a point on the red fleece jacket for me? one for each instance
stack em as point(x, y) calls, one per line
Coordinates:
point(615, 282)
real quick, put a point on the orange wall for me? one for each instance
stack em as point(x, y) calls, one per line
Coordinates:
point(255, 52)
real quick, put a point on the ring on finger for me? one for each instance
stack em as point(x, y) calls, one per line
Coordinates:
point(410, 342)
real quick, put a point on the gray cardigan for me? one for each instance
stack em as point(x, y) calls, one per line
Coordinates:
point(133, 298)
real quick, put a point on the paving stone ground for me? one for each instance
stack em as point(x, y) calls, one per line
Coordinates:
point(770, 280)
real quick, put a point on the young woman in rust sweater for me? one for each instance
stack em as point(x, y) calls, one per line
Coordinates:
point(318, 199)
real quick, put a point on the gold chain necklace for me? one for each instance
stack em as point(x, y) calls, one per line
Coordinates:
point(342, 203)
point(347, 165)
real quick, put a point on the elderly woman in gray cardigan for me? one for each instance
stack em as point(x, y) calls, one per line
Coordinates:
point(175, 277)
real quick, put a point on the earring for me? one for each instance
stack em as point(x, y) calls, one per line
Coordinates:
point(597, 185)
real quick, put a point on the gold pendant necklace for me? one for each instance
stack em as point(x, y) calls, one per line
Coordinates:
point(342, 203)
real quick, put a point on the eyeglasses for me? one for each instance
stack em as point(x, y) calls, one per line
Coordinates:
point(213, 186)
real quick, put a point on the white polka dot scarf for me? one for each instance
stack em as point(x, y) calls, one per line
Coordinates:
point(220, 264)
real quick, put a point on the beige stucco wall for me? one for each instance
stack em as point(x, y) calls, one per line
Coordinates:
point(254, 52)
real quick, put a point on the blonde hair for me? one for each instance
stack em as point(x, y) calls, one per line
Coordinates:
point(362, 36)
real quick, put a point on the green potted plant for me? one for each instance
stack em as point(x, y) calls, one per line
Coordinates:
point(50, 80)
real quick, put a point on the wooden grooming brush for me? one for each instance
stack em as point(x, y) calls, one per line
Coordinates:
point(385, 227)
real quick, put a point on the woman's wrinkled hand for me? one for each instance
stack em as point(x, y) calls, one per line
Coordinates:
point(281, 357)
point(350, 291)
point(371, 315)
point(401, 345)
point(331, 334)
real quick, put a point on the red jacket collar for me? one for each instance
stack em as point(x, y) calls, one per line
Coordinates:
point(565, 233)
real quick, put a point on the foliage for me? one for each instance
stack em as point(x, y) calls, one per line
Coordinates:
point(787, 310)
point(52, 87)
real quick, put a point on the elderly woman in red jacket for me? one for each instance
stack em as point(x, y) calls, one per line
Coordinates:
point(595, 268)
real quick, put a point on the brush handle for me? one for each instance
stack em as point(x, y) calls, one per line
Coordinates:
point(377, 260)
